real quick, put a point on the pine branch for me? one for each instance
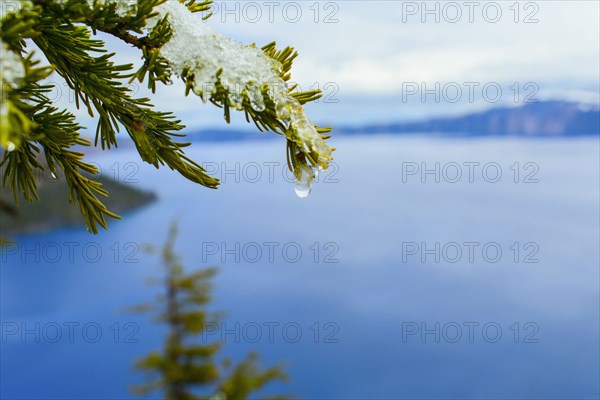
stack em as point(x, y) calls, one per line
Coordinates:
point(63, 29)
point(97, 83)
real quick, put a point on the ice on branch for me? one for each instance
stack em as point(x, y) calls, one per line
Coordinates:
point(122, 7)
point(243, 71)
point(11, 66)
point(229, 74)
point(11, 71)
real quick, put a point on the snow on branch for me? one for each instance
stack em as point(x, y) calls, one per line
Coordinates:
point(211, 61)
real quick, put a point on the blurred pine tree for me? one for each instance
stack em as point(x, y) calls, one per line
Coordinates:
point(186, 368)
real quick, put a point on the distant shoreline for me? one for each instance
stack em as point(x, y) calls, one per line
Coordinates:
point(53, 211)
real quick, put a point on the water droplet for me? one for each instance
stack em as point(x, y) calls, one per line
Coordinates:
point(258, 104)
point(302, 190)
point(303, 184)
point(11, 146)
point(53, 175)
point(284, 113)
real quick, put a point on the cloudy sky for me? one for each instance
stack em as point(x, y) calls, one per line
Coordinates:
point(382, 61)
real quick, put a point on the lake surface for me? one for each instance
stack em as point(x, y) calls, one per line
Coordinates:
point(476, 278)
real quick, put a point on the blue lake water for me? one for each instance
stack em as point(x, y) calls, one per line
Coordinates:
point(383, 283)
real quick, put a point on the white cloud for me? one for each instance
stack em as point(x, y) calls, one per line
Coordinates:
point(370, 52)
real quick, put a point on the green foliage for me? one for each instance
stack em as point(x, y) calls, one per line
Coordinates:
point(184, 368)
point(63, 30)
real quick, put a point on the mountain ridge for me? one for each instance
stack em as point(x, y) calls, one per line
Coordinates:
point(552, 118)
point(540, 119)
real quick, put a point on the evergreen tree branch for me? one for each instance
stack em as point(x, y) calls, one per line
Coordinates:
point(62, 30)
point(97, 83)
